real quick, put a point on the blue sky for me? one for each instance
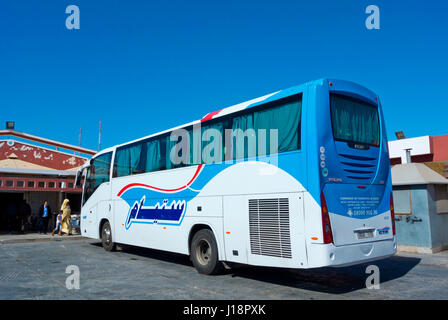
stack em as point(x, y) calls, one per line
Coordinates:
point(145, 66)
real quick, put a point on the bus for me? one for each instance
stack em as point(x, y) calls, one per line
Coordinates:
point(298, 178)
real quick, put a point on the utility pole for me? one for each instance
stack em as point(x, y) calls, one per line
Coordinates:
point(79, 138)
point(80, 135)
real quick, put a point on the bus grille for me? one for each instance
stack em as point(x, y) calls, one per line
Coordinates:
point(358, 168)
point(269, 227)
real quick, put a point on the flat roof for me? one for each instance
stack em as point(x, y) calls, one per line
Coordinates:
point(48, 172)
point(415, 173)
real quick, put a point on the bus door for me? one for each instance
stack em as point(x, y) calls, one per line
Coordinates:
point(96, 196)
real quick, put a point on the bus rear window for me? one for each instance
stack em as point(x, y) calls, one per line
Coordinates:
point(354, 120)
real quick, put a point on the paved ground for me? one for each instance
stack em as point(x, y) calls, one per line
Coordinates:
point(36, 270)
point(34, 236)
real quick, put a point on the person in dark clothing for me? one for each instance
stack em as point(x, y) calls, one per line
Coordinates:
point(44, 214)
point(22, 215)
point(12, 216)
point(28, 216)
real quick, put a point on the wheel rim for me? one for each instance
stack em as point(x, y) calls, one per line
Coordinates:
point(107, 235)
point(203, 252)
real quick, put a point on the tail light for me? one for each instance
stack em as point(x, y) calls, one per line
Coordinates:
point(392, 212)
point(326, 226)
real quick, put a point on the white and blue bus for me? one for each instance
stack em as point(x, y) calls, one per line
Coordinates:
point(298, 179)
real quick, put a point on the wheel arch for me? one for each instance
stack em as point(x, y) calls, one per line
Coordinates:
point(199, 226)
point(102, 222)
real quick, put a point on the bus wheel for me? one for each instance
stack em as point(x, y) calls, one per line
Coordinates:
point(204, 253)
point(106, 237)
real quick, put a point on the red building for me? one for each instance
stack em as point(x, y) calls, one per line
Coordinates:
point(38, 173)
point(440, 148)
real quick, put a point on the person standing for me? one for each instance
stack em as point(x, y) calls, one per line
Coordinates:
point(44, 213)
point(27, 216)
point(22, 216)
point(58, 224)
point(66, 220)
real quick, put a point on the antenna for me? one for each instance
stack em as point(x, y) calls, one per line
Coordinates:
point(99, 138)
point(79, 138)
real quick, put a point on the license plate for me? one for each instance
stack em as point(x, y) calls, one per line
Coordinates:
point(365, 234)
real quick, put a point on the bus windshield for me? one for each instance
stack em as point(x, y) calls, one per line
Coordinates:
point(354, 120)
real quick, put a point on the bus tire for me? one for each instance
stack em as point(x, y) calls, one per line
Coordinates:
point(106, 237)
point(204, 253)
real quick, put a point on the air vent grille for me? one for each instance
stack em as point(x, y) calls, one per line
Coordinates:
point(269, 227)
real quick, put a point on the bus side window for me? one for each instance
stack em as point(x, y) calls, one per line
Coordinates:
point(97, 173)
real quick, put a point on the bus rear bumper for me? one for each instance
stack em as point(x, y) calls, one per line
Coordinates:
point(329, 255)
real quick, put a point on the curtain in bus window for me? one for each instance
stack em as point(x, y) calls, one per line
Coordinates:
point(170, 147)
point(244, 139)
point(354, 120)
point(137, 162)
point(286, 120)
point(129, 161)
point(212, 144)
point(122, 162)
point(154, 160)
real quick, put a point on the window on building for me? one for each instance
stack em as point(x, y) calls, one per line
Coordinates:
point(9, 183)
point(441, 198)
point(70, 185)
point(20, 184)
point(402, 201)
point(31, 184)
point(1, 183)
point(41, 184)
point(51, 184)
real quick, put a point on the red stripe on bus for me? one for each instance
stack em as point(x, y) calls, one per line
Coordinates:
point(210, 115)
point(160, 189)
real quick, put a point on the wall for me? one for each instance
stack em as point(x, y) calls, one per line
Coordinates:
point(419, 146)
point(440, 147)
point(438, 222)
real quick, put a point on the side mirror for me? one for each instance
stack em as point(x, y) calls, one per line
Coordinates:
point(78, 178)
point(80, 173)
